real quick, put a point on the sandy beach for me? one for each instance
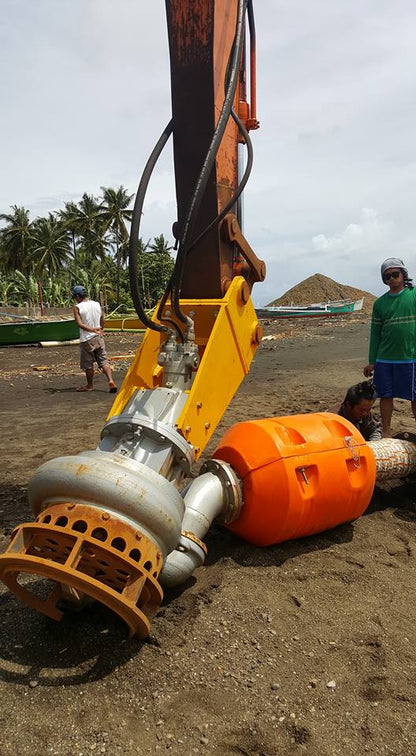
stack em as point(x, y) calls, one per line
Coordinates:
point(305, 647)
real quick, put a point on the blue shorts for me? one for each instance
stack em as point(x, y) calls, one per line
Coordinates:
point(395, 379)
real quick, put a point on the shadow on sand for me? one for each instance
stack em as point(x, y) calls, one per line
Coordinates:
point(88, 645)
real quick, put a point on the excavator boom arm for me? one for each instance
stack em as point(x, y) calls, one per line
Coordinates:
point(208, 86)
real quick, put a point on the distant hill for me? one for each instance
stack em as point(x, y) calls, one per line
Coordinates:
point(320, 288)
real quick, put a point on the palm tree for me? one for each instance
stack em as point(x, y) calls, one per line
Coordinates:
point(78, 274)
point(15, 239)
point(70, 218)
point(99, 284)
point(160, 245)
point(50, 249)
point(97, 278)
point(114, 214)
point(90, 227)
point(50, 246)
point(156, 269)
point(115, 211)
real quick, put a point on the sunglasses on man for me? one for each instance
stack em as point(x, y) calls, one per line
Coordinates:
point(393, 274)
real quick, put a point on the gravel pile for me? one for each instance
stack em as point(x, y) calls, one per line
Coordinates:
point(320, 288)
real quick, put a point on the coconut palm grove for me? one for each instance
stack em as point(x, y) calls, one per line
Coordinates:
point(85, 243)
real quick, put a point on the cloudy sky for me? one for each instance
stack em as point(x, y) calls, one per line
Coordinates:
point(86, 93)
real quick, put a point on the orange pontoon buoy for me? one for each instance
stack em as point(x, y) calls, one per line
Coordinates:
point(301, 474)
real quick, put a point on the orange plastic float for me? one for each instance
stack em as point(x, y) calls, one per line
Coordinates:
point(301, 474)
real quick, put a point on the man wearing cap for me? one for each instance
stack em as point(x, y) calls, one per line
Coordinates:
point(392, 352)
point(89, 319)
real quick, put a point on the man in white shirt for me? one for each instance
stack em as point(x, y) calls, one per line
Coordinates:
point(90, 321)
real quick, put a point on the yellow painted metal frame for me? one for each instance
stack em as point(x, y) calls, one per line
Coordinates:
point(227, 334)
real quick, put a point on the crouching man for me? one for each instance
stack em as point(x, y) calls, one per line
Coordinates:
point(357, 408)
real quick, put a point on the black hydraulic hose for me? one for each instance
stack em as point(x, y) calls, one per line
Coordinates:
point(174, 284)
point(240, 187)
point(201, 183)
point(135, 233)
point(233, 68)
point(162, 303)
point(160, 316)
point(251, 25)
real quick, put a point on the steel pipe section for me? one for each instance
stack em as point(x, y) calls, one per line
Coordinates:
point(214, 495)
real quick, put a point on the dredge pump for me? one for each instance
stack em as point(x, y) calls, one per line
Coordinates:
point(117, 523)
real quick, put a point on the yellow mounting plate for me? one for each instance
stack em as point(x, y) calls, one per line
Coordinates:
point(227, 334)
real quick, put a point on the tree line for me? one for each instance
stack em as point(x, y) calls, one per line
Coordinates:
point(85, 243)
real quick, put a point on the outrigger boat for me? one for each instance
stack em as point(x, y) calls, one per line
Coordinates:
point(126, 323)
point(27, 331)
point(318, 310)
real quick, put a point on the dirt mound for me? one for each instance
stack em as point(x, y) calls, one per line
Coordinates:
point(320, 288)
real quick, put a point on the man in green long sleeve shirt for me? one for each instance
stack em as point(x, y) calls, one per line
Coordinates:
point(392, 354)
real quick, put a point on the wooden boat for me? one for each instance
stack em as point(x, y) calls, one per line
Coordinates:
point(318, 310)
point(34, 331)
point(127, 323)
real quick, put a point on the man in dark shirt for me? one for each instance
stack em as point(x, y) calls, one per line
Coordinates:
point(357, 408)
point(392, 352)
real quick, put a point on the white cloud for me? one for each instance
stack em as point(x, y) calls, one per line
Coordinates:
point(351, 256)
point(370, 235)
point(367, 243)
point(86, 93)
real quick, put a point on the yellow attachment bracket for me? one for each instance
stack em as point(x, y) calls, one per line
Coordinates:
point(227, 334)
